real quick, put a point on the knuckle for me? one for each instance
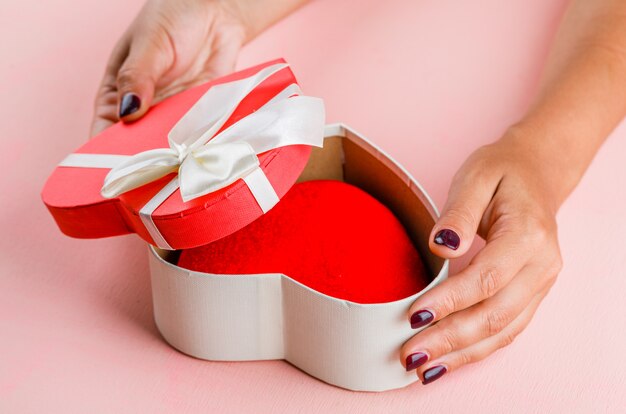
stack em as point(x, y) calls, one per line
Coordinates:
point(462, 215)
point(495, 321)
point(541, 240)
point(108, 88)
point(478, 164)
point(127, 76)
point(450, 303)
point(447, 339)
point(529, 237)
point(553, 273)
point(489, 280)
point(558, 264)
point(465, 358)
point(538, 229)
point(125, 73)
point(531, 240)
point(531, 227)
point(106, 96)
point(551, 281)
point(507, 339)
point(553, 268)
point(540, 232)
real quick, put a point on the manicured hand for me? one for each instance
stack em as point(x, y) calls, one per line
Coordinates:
point(503, 193)
point(171, 46)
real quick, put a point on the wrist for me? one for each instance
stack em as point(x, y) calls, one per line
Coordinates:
point(549, 159)
point(240, 10)
point(258, 15)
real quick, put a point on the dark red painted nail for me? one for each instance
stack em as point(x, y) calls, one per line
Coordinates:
point(129, 105)
point(416, 360)
point(421, 318)
point(434, 373)
point(448, 238)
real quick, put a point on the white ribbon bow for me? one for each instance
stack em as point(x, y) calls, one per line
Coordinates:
point(206, 161)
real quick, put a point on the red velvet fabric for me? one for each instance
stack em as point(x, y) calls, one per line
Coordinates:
point(327, 235)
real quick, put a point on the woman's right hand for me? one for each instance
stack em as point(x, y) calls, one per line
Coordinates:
point(169, 47)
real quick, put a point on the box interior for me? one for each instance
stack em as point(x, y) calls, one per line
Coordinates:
point(356, 162)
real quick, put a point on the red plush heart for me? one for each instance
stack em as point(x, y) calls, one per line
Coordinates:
point(327, 235)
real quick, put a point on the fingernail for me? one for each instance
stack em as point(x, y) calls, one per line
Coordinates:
point(421, 318)
point(434, 373)
point(416, 360)
point(448, 238)
point(130, 104)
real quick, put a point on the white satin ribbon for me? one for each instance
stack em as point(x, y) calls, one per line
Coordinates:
point(206, 161)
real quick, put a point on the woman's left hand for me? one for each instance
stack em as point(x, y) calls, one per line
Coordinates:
point(505, 193)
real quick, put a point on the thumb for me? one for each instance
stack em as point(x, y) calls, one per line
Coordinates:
point(137, 78)
point(468, 198)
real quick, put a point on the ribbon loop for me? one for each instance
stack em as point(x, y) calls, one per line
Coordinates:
point(140, 169)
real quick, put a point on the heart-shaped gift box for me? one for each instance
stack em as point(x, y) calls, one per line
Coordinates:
point(257, 316)
point(272, 316)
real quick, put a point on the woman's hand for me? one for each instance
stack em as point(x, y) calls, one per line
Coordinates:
point(508, 193)
point(505, 193)
point(175, 44)
point(171, 46)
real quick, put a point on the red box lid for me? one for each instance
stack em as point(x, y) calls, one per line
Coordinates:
point(158, 214)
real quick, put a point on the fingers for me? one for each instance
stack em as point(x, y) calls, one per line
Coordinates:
point(128, 84)
point(478, 322)
point(470, 193)
point(105, 105)
point(137, 77)
point(436, 368)
point(490, 270)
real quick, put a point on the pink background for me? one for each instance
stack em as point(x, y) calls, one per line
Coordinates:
point(427, 80)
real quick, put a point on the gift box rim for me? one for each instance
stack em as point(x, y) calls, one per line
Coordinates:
point(343, 131)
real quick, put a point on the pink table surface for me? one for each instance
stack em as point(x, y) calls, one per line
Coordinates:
point(427, 80)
